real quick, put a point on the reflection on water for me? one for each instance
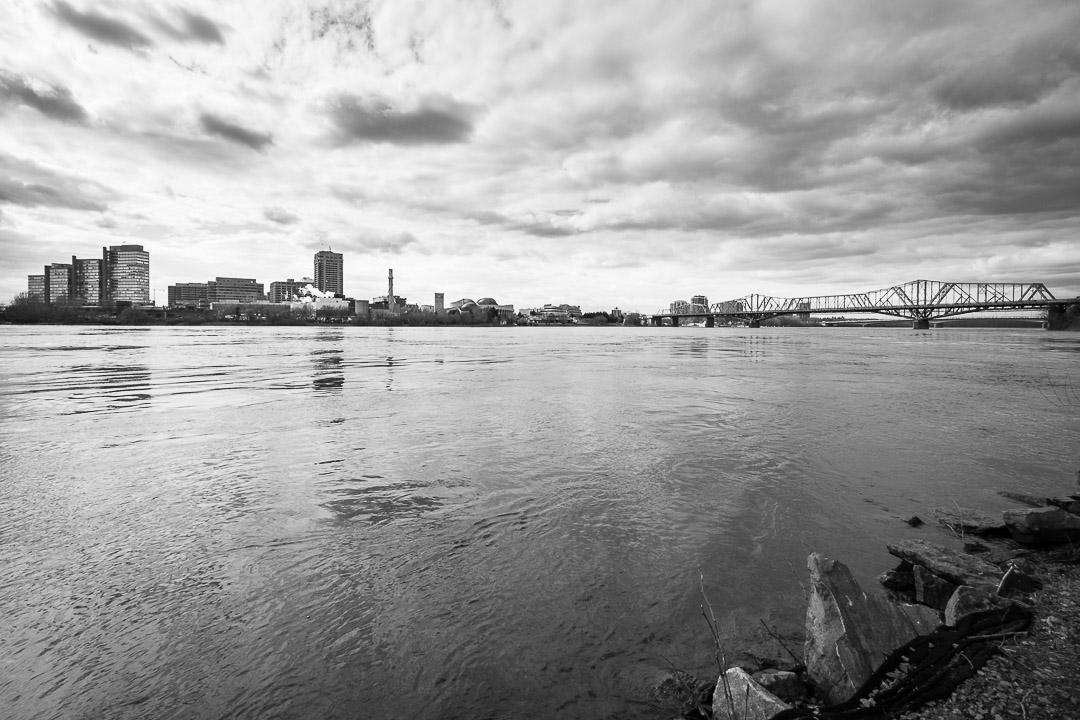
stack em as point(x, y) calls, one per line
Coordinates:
point(239, 522)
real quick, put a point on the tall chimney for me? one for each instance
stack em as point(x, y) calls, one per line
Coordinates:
point(390, 302)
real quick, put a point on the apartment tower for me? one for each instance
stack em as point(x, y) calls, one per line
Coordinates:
point(329, 272)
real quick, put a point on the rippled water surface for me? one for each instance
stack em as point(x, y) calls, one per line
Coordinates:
point(467, 523)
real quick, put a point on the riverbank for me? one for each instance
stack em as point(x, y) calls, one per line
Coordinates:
point(1033, 676)
point(1006, 610)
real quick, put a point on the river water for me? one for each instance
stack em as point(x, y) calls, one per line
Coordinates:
point(325, 522)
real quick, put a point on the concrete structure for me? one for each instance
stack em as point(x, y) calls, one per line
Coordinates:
point(87, 281)
point(35, 287)
point(233, 289)
point(220, 290)
point(287, 290)
point(57, 282)
point(440, 302)
point(125, 275)
point(191, 295)
point(330, 272)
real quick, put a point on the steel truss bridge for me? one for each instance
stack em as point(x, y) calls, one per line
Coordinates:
point(918, 300)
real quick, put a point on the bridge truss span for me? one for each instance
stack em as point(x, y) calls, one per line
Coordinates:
point(919, 300)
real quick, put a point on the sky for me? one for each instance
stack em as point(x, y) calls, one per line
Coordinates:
point(605, 154)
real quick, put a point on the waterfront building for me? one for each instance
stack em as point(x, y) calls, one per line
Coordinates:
point(125, 273)
point(190, 295)
point(440, 302)
point(679, 307)
point(35, 287)
point(87, 280)
point(330, 272)
point(287, 290)
point(219, 290)
point(233, 289)
point(57, 282)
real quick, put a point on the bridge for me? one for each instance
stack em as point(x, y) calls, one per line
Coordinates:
point(919, 300)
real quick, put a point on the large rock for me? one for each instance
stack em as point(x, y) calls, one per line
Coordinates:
point(849, 632)
point(967, 600)
point(1043, 526)
point(784, 684)
point(744, 698)
point(957, 567)
point(931, 590)
point(968, 521)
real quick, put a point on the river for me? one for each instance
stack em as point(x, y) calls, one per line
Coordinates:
point(347, 522)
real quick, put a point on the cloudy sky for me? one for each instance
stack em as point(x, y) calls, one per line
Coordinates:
point(600, 153)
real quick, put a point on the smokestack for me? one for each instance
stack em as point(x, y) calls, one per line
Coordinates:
point(390, 302)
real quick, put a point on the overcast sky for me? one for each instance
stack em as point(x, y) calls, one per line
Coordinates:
point(597, 153)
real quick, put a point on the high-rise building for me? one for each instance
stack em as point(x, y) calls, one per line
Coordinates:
point(87, 280)
point(57, 282)
point(126, 274)
point(329, 272)
point(440, 302)
point(35, 287)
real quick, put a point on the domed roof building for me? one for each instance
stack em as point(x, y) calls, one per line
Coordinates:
point(483, 302)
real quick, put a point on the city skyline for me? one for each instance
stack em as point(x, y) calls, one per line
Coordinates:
point(606, 155)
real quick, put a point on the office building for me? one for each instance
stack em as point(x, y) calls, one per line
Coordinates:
point(57, 282)
point(219, 290)
point(126, 274)
point(231, 289)
point(329, 272)
point(440, 302)
point(287, 290)
point(87, 281)
point(190, 295)
point(35, 287)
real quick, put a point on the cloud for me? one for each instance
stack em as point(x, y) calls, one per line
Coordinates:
point(101, 27)
point(55, 102)
point(437, 120)
point(192, 26)
point(371, 240)
point(280, 215)
point(235, 133)
point(26, 183)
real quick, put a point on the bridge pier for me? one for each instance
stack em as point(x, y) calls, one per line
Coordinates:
point(1063, 314)
point(710, 321)
point(753, 324)
point(674, 321)
point(920, 324)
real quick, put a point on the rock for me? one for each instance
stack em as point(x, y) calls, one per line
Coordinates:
point(849, 632)
point(1016, 581)
point(956, 567)
point(967, 521)
point(930, 590)
point(748, 700)
point(1024, 498)
point(899, 579)
point(783, 684)
point(974, 546)
point(967, 600)
point(1068, 504)
point(1042, 526)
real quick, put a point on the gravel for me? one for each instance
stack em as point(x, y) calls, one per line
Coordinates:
point(1035, 676)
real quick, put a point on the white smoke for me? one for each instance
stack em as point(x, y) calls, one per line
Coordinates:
point(310, 293)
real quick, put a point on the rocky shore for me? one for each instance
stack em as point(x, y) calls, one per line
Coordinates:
point(986, 628)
